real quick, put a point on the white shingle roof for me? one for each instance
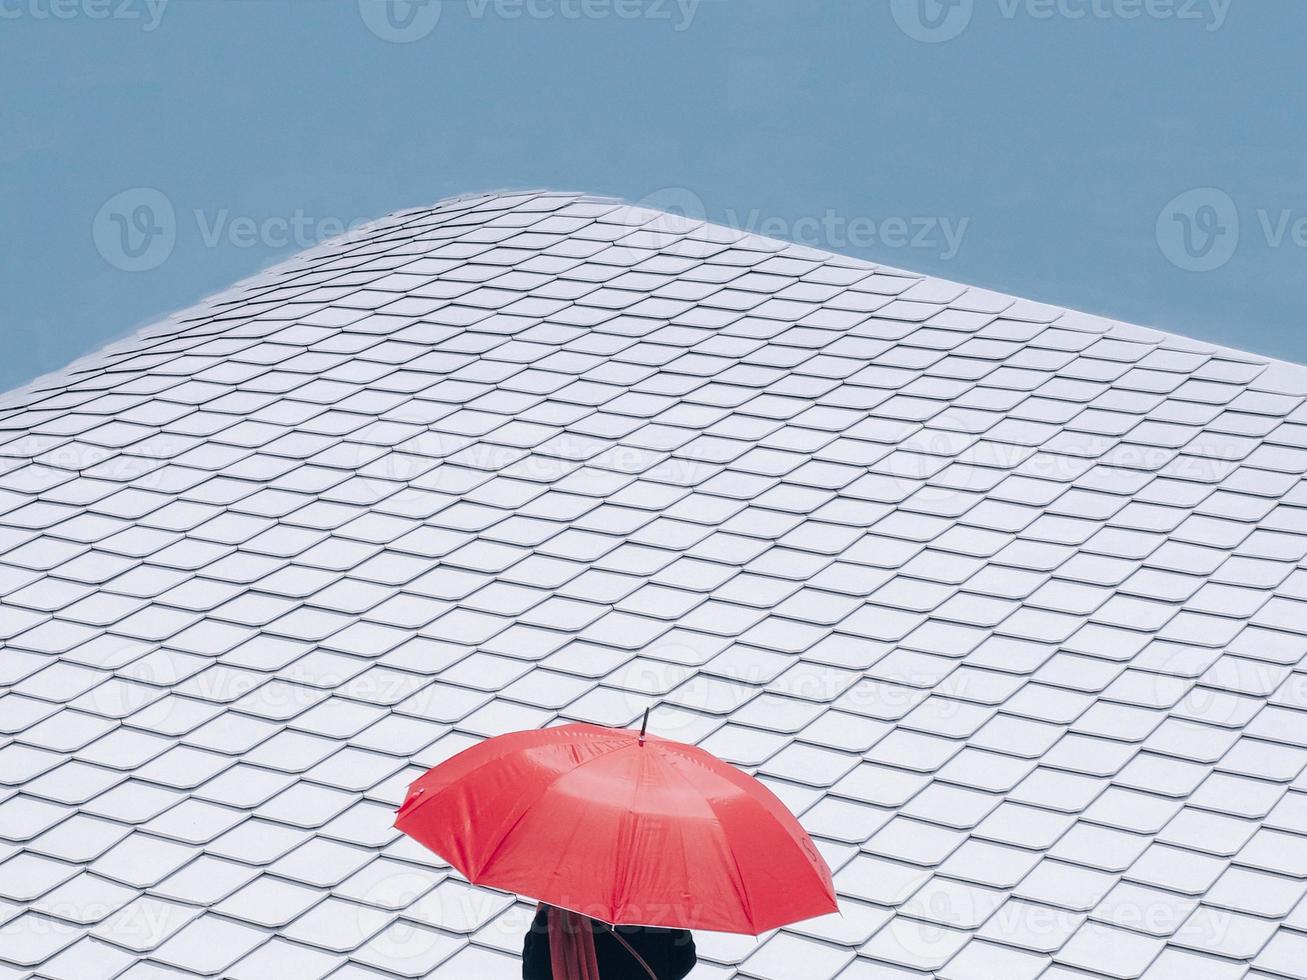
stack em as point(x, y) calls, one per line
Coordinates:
point(1009, 602)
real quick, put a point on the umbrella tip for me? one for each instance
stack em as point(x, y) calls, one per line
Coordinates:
point(644, 725)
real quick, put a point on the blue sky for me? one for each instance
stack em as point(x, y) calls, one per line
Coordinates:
point(1142, 159)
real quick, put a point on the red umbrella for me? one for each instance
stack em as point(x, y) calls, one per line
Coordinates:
point(624, 828)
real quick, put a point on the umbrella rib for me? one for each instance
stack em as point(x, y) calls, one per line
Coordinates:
point(504, 835)
point(559, 857)
point(623, 872)
point(740, 888)
point(735, 863)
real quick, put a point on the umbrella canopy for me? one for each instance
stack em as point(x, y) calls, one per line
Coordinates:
point(624, 828)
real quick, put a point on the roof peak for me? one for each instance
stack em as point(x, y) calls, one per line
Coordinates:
point(707, 238)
